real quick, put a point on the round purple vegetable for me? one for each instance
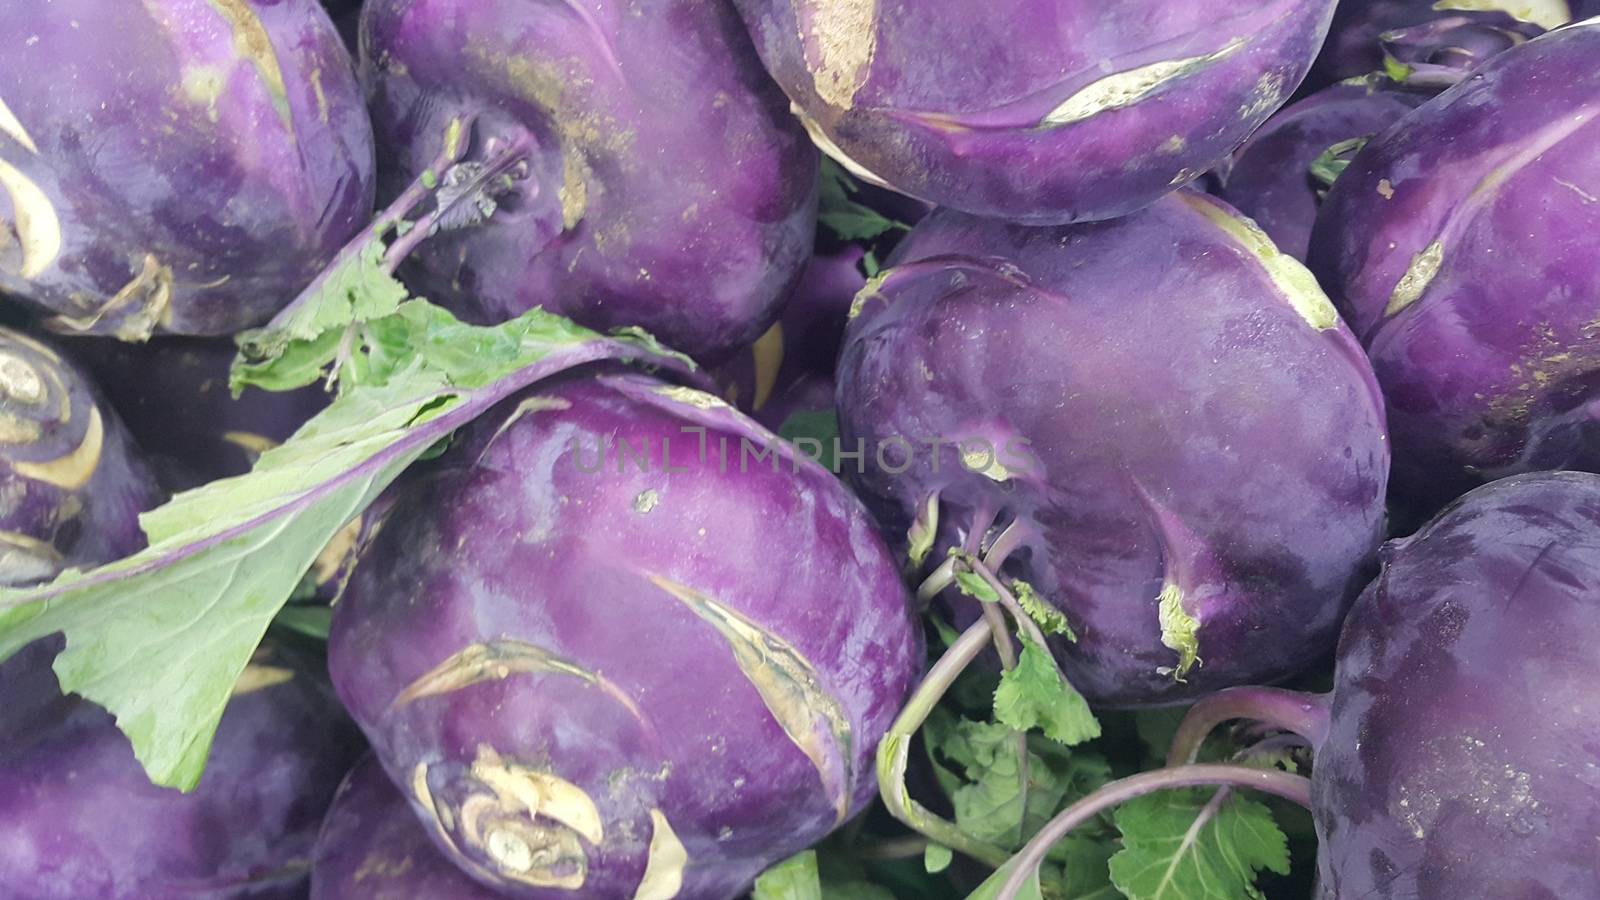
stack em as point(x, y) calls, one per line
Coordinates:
point(1271, 178)
point(1042, 112)
point(1184, 445)
point(79, 818)
point(173, 394)
point(72, 483)
point(1459, 246)
point(1428, 38)
point(372, 848)
point(663, 183)
point(1460, 761)
point(1455, 755)
point(176, 165)
point(602, 663)
point(803, 344)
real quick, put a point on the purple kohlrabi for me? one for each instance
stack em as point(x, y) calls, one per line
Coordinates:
point(1279, 176)
point(633, 647)
point(661, 182)
point(174, 165)
point(782, 368)
point(372, 848)
point(173, 395)
point(1039, 111)
point(79, 818)
point(72, 481)
point(1460, 758)
point(1459, 245)
point(1177, 442)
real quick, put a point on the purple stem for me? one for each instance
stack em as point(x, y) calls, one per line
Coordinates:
point(1025, 622)
point(894, 751)
point(501, 162)
point(1006, 544)
point(1297, 713)
point(1293, 788)
point(942, 577)
point(982, 520)
point(455, 147)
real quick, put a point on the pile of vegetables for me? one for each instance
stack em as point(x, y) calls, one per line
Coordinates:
point(799, 450)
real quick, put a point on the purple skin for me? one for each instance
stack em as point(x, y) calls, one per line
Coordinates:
point(1426, 36)
point(670, 191)
point(173, 395)
point(72, 482)
point(78, 817)
point(1458, 246)
point(803, 345)
point(187, 166)
point(1269, 178)
point(1461, 759)
point(372, 848)
point(691, 666)
point(1085, 110)
point(1221, 459)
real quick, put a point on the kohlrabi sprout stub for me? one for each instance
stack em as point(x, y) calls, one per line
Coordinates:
point(373, 848)
point(183, 166)
point(629, 644)
point(1040, 112)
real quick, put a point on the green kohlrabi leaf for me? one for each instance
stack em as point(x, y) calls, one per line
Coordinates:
point(814, 432)
point(1196, 844)
point(1034, 695)
point(311, 621)
point(806, 876)
point(985, 787)
point(841, 214)
point(298, 348)
point(991, 887)
point(160, 638)
point(973, 585)
point(1050, 619)
point(1332, 162)
point(936, 858)
point(796, 878)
